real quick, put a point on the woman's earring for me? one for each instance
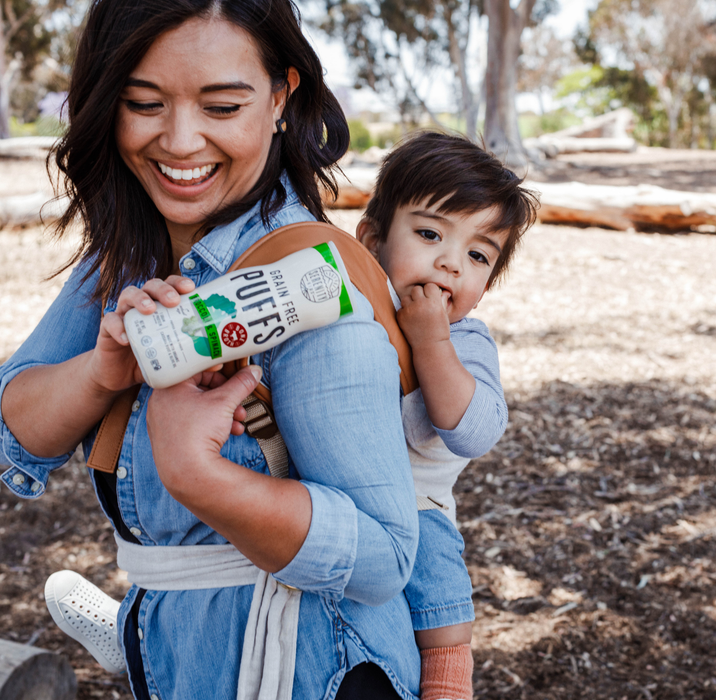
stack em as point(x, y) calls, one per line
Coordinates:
point(281, 125)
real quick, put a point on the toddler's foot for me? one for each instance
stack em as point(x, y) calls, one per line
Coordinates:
point(88, 615)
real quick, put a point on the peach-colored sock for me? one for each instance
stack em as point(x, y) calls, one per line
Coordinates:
point(446, 672)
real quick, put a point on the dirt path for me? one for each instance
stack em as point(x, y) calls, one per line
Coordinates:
point(589, 529)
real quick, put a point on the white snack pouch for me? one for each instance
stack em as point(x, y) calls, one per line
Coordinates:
point(240, 314)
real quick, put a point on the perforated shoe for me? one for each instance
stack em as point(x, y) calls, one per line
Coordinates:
point(88, 615)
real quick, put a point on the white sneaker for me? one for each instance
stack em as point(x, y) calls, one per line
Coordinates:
point(88, 615)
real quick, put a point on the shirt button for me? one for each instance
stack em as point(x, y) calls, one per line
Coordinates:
point(18, 479)
point(121, 473)
point(135, 406)
point(189, 264)
point(140, 634)
point(153, 697)
point(35, 487)
point(135, 531)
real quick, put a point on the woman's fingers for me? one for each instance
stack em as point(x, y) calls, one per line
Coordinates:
point(166, 292)
point(113, 326)
point(238, 387)
point(182, 284)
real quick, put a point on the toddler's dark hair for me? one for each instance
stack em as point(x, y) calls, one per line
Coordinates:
point(451, 169)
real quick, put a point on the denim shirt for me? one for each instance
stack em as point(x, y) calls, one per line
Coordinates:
point(336, 397)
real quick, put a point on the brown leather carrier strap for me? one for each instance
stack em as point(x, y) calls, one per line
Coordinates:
point(365, 273)
point(107, 446)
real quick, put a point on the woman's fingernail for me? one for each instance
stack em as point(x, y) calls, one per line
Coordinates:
point(256, 371)
point(146, 303)
point(173, 295)
point(124, 338)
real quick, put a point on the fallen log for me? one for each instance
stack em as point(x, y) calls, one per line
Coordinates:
point(25, 209)
point(553, 146)
point(27, 146)
point(355, 188)
point(606, 133)
point(29, 673)
point(616, 124)
point(644, 207)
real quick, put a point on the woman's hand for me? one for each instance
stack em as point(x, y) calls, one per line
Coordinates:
point(189, 423)
point(113, 366)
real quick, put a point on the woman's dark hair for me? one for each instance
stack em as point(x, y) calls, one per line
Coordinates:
point(451, 169)
point(125, 236)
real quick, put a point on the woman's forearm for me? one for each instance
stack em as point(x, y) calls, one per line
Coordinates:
point(50, 408)
point(265, 518)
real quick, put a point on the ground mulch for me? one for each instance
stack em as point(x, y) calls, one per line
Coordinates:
point(590, 529)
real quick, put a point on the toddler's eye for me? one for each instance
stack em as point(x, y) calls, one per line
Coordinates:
point(428, 234)
point(479, 257)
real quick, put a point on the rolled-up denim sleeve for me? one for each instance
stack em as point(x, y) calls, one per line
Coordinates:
point(336, 392)
point(485, 419)
point(68, 329)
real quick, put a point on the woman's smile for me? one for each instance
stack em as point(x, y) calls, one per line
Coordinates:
point(187, 176)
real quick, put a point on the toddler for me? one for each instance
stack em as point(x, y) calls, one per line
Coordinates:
point(444, 222)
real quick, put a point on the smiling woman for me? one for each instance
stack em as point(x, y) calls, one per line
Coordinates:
point(196, 128)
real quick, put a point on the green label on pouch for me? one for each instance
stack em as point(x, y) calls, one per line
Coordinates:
point(212, 334)
point(345, 301)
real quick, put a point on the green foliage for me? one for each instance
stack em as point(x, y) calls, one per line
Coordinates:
point(44, 126)
point(533, 125)
point(657, 57)
point(600, 89)
point(38, 37)
point(360, 136)
point(388, 139)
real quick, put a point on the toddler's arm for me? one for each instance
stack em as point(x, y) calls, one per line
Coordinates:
point(459, 376)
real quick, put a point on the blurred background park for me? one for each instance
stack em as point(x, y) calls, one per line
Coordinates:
point(590, 528)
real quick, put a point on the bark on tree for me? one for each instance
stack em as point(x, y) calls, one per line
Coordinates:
point(470, 104)
point(4, 97)
point(502, 134)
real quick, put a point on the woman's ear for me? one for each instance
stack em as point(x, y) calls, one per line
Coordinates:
point(293, 80)
point(367, 234)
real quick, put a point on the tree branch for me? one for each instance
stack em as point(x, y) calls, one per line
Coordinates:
point(524, 11)
point(16, 23)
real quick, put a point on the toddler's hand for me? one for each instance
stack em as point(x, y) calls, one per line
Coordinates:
point(423, 317)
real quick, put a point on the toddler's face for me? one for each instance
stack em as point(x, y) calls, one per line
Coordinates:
point(457, 252)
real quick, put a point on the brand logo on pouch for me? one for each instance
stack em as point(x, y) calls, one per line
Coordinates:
point(233, 335)
point(321, 284)
point(151, 353)
point(146, 340)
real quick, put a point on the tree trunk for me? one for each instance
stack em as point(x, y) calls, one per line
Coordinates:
point(457, 56)
point(4, 97)
point(29, 673)
point(502, 134)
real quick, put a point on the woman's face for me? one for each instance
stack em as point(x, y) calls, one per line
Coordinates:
point(196, 119)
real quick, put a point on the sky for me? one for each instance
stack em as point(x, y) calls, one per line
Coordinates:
point(572, 13)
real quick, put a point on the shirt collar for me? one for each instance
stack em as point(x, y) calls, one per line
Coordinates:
point(218, 247)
